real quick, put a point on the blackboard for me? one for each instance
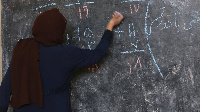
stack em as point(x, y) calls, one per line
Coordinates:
point(151, 66)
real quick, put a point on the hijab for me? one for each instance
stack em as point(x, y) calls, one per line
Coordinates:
point(26, 84)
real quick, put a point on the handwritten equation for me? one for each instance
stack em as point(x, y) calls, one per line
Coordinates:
point(159, 23)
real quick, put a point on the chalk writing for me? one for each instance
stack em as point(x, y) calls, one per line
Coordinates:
point(131, 9)
point(138, 61)
point(67, 39)
point(147, 38)
point(44, 6)
point(134, 51)
point(136, 8)
point(79, 3)
point(160, 22)
point(184, 25)
point(129, 62)
point(118, 31)
point(85, 9)
point(132, 1)
point(79, 37)
point(150, 27)
point(91, 43)
point(93, 68)
point(130, 66)
point(89, 34)
point(135, 45)
point(165, 25)
point(177, 26)
point(133, 32)
point(80, 13)
point(169, 24)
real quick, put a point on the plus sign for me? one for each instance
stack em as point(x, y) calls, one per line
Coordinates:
point(118, 31)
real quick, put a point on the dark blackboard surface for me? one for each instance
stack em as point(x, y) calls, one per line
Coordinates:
point(151, 66)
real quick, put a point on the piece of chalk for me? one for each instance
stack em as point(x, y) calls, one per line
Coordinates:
point(118, 12)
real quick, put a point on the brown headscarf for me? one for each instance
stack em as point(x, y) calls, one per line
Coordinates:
point(48, 29)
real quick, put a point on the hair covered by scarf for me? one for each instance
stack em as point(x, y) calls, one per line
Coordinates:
point(26, 84)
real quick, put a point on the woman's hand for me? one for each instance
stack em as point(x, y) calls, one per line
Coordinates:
point(116, 19)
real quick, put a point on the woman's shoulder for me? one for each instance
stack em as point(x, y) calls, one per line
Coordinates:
point(68, 47)
point(60, 49)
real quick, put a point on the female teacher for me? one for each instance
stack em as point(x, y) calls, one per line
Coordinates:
point(38, 78)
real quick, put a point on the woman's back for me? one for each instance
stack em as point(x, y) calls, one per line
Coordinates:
point(55, 63)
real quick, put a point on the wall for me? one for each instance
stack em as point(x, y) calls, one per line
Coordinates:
point(152, 64)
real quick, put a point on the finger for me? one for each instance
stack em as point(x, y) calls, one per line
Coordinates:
point(115, 13)
point(120, 15)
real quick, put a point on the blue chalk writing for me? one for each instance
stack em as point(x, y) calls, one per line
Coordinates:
point(184, 25)
point(147, 37)
point(134, 51)
point(150, 27)
point(177, 26)
point(79, 37)
point(135, 45)
point(119, 32)
point(79, 3)
point(44, 6)
point(132, 1)
point(130, 33)
point(165, 25)
point(91, 43)
point(89, 34)
point(67, 39)
point(131, 26)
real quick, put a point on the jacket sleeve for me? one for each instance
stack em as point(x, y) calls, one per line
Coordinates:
point(5, 90)
point(86, 57)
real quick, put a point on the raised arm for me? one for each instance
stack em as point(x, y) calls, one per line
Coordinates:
point(116, 19)
point(86, 57)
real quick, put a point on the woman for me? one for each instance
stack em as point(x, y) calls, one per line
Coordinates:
point(39, 74)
